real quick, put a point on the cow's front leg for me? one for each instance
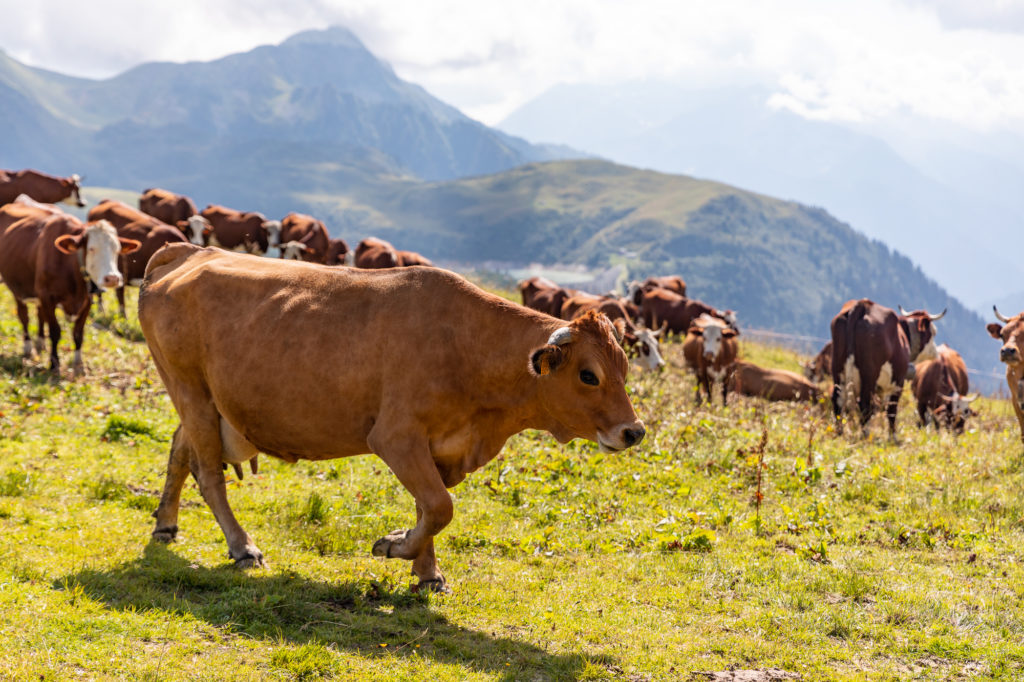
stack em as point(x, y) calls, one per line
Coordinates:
point(26, 349)
point(892, 405)
point(412, 464)
point(78, 334)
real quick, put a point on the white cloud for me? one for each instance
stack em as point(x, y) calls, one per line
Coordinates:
point(850, 60)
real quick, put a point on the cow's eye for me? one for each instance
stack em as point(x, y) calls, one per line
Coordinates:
point(588, 377)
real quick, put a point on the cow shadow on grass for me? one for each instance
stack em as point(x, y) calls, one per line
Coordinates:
point(358, 616)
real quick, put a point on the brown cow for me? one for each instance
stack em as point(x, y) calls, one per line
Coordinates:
point(940, 387)
point(235, 230)
point(120, 214)
point(772, 384)
point(1011, 333)
point(166, 206)
point(710, 350)
point(673, 283)
point(375, 254)
point(338, 253)
point(303, 237)
point(48, 189)
point(410, 258)
point(544, 295)
point(434, 388)
point(821, 366)
point(663, 308)
point(53, 259)
point(872, 351)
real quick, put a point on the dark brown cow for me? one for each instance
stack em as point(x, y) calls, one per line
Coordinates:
point(53, 259)
point(673, 283)
point(410, 258)
point(940, 387)
point(663, 308)
point(872, 351)
point(305, 230)
point(48, 189)
point(710, 351)
point(772, 384)
point(434, 388)
point(821, 366)
point(166, 206)
point(338, 253)
point(1011, 333)
point(233, 230)
point(375, 254)
point(544, 295)
point(120, 214)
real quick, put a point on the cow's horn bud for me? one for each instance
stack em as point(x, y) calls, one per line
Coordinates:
point(560, 337)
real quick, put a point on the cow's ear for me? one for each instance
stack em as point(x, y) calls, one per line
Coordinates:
point(995, 330)
point(619, 325)
point(696, 331)
point(729, 332)
point(68, 243)
point(129, 245)
point(546, 359)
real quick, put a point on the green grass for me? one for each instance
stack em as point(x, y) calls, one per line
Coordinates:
point(866, 560)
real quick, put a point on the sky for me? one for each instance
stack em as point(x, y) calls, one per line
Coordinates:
point(854, 61)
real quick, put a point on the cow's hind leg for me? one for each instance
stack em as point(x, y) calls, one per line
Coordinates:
point(409, 458)
point(49, 312)
point(200, 424)
point(26, 348)
point(78, 334)
point(166, 514)
point(891, 406)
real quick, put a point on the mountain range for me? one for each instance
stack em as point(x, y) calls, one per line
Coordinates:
point(319, 124)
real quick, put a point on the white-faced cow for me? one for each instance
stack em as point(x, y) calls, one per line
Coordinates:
point(872, 352)
point(48, 189)
point(434, 387)
point(710, 351)
point(1011, 333)
point(52, 259)
point(940, 388)
point(303, 237)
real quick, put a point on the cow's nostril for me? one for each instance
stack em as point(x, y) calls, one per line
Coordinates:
point(633, 436)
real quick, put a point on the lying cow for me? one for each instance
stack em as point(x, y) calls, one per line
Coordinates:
point(940, 388)
point(166, 206)
point(710, 351)
point(872, 352)
point(434, 387)
point(1011, 333)
point(53, 259)
point(48, 189)
point(772, 384)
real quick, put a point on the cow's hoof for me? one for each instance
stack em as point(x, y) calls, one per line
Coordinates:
point(253, 558)
point(435, 585)
point(385, 545)
point(169, 534)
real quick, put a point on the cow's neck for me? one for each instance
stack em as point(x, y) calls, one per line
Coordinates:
point(913, 337)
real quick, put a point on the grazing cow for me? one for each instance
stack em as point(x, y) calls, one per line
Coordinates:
point(1011, 333)
point(166, 206)
point(664, 308)
point(48, 189)
point(24, 206)
point(235, 230)
point(298, 228)
point(54, 260)
point(821, 366)
point(434, 388)
point(872, 351)
point(409, 258)
point(772, 384)
point(710, 350)
point(940, 387)
point(544, 295)
point(375, 254)
point(338, 253)
point(673, 283)
point(639, 342)
point(120, 214)
point(196, 229)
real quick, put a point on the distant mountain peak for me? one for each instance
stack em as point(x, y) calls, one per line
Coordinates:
point(334, 35)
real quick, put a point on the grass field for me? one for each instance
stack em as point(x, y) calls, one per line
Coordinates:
point(863, 560)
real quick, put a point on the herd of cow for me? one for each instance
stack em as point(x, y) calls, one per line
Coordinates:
point(416, 364)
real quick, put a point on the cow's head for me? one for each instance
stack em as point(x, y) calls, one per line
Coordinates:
point(729, 316)
point(921, 333)
point(292, 250)
point(100, 247)
point(273, 230)
point(647, 349)
point(713, 331)
point(197, 229)
point(1011, 333)
point(956, 409)
point(581, 372)
point(74, 191)
point(338, 252)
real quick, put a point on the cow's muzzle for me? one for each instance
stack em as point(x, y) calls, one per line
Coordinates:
point(1008, 354)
